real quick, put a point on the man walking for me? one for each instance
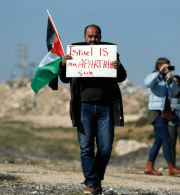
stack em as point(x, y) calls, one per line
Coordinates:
point(95, 107)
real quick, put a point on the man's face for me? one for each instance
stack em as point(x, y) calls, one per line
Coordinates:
point(92, 36)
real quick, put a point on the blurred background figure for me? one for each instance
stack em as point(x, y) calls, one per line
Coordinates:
point(174, 124)
point(162, 87)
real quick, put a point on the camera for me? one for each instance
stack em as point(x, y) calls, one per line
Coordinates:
point(171, 68)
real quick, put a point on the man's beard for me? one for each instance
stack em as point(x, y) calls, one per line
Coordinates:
point(95, 42)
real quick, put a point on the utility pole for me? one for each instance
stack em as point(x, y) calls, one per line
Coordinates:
point(22, 53)
point(27, 68)
point(24, 62)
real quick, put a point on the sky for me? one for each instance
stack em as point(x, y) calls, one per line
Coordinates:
point(144, 30)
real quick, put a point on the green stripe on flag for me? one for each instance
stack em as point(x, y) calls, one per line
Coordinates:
point(45, 74)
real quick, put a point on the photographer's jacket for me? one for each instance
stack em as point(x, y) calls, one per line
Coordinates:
point(159, 89)
point(95, 90)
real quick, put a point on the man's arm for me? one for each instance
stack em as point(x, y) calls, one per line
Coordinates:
point(62, 69)
point(121, 72)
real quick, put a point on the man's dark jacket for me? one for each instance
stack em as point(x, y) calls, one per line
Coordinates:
point(75, 87)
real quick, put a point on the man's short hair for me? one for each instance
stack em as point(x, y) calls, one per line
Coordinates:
point(97, 27)
point(177, 77)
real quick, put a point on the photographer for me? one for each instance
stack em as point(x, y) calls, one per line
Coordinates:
point(161, 88)
point(174, 124)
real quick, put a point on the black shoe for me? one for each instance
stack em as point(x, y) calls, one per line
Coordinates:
point(98, 190)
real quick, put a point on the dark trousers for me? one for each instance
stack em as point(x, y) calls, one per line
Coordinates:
point(162, 138)
point(174, 132)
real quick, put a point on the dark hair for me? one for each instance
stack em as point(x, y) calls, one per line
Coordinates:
point(97, 27)
point(161, 61)
point(177, 77)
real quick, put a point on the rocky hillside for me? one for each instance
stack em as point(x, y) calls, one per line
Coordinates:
point(18, 99)
point(135, 98)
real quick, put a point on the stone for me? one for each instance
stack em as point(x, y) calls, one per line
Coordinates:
point(126, 146)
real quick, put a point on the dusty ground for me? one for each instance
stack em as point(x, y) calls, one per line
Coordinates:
point(120, 172)
point(72, 174)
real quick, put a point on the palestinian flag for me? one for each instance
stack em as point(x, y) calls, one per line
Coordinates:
point(48, 69)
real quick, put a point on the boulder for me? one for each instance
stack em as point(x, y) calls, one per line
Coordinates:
point(126, 146)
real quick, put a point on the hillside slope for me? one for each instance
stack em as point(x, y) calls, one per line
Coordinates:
point(19, 102)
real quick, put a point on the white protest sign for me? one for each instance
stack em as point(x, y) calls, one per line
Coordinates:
point(91, 61)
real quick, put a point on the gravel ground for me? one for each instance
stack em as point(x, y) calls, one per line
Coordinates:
point(15, 188)
point(135, 159)
point(47, 189)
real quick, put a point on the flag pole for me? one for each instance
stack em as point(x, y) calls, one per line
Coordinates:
point(55, 30)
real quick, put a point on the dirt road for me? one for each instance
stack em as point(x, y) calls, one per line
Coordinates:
point(71, 173)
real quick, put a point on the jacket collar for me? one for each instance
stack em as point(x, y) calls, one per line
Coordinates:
point(162, 76)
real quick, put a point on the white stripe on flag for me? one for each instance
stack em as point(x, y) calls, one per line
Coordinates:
point(50, 57)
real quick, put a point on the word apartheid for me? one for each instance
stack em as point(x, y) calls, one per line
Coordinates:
point(91, 60)
point(92, 64)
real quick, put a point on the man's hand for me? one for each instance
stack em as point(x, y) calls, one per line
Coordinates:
point(64, 58)
point(168, 77)
point(116, 64)
point(171, 105)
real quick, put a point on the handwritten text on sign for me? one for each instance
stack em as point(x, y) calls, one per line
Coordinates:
point(91, 61)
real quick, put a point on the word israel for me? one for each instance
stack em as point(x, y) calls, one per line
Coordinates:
point(79, 52)
point(91, 60)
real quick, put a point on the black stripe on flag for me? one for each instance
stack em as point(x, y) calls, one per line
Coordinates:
point(49, 41)
point(50, 35)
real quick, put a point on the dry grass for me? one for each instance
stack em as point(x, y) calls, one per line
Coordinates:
point(24, 136)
